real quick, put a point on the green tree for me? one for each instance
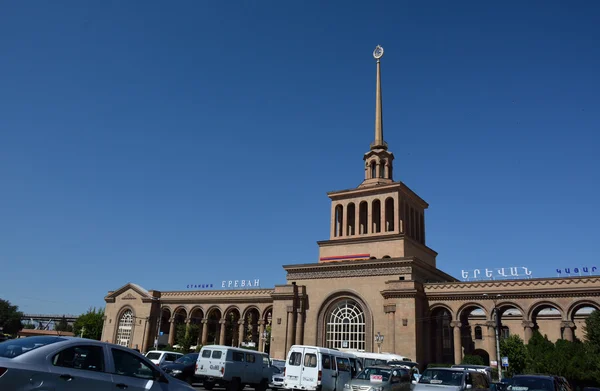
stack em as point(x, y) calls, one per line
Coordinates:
point(514, 348)
point(10, 317)
point(592, 330)
point(90, 324)
point(542, 354)
point(63, 325)
point(28, 326)
point(472, 360)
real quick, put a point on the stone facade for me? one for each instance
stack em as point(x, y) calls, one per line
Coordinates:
point(375, 273)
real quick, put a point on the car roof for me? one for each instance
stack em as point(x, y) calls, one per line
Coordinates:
point(552, 377)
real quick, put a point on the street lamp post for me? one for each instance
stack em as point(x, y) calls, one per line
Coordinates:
point(496, 327)
point(379, 341)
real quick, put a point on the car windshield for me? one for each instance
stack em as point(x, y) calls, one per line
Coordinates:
point(276, 370)
point(442, 377)
point(187, 359)
point(374, 374)
point(15, 347)
point(531, 384)
point(153, 355)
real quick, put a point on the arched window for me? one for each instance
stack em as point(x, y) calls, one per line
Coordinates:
point(389, 215)
point(339, 218)
point(478, 333)
point(125, 328)
point(351, 219)
point(390, 172)
point(346, 326)
point(373, 170)
point(376, 216)
point(363, 217)
point(382, 170)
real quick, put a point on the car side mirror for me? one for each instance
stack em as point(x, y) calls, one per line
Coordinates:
point(414, 382)
point(469, 386)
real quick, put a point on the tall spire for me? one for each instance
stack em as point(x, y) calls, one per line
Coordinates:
point(378, 143)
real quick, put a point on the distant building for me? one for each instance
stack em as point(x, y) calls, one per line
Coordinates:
point(375, 274)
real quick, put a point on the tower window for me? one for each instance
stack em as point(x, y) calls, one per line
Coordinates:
point(339, 216)
point(373, 169)
point(382, 170)
point(363, 213)
point(376, 216)
point(390, 172)
point(389, 215)
point(351, 219)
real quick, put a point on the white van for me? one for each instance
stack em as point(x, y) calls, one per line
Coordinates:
point(233, 368)
point(314, 368)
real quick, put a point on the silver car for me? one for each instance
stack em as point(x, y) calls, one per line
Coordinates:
point(451, 379)
point(64, 363)
point(380, 378)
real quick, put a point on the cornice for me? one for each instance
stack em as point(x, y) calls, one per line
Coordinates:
point(365, 268)
point(208, 294)
point(401, 186)
point(501, 285)
point(509, 296)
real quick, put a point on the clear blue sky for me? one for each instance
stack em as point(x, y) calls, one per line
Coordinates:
point(194, 141)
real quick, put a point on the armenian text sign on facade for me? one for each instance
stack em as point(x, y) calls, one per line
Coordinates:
point(496, 273)
point(241, 283)
point(577, 271)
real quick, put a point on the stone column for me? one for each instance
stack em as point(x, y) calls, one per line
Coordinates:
point(222, 323)
point(240, 332)
point(568, 330)
point(204, 331)
point(528, 326)
point(333, 220)
point(390, 310)
point(299, 326)
point(457, 341)
point(187, 326)
point(357, 219)
point(369, 228)
point(382, 225)
point(172, 332)
point(290, 328)
point(261, 330)
point(491, 339)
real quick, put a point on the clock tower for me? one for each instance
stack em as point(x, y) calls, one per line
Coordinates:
point(381, 218)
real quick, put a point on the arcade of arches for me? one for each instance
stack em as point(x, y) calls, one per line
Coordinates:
point(375, 274)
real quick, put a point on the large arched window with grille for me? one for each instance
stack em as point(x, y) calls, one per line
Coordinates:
point(346, 326)
point(125, 328)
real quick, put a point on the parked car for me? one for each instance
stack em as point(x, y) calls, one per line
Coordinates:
point(184, 368)
point(479, 368)
point(313, 368)
point(382, 378)
point(160, 357)
point(277, 378)
point(455, 379)
point(73, 364)
point(233, 368)
point(538, 383)
point(278, 363)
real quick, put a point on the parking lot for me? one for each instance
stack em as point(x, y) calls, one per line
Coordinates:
point(199, 387)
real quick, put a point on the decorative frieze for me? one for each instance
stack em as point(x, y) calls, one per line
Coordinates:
point(343, 273)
